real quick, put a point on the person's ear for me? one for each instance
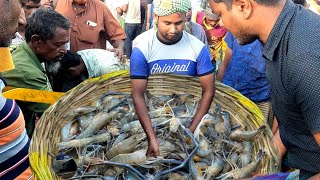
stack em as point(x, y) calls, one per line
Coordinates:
point(155, 17)
point(244, 7)
point(36, 41)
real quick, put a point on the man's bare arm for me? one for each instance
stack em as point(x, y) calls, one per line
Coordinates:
point(139, 87)
point(207, 84)
point(125, 8)
point(148, 16)
point(224, 65)
point(279, 145)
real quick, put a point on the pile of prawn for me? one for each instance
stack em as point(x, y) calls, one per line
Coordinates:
point(107, 141)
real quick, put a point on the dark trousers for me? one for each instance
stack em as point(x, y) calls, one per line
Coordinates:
point(132, 31)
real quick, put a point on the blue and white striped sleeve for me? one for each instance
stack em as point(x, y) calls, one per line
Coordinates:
point(138, 65)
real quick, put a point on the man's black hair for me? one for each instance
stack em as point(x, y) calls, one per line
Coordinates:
point(44, 22)
point(69, 60)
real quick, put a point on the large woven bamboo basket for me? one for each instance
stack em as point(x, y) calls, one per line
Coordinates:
point(47, 132)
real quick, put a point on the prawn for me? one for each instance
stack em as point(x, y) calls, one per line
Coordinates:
point(153, 101)
point(239, 135)
point(215, 168)
point(84, 142)
point(99, 121)
point(245, 157)
point(125, 146)
point(245, 171)
point(231, 162)
point(82, 110)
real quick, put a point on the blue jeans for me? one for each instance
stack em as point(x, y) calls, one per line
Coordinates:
point(132, 31)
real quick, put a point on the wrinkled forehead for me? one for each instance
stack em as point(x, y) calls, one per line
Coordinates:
point(60, 36)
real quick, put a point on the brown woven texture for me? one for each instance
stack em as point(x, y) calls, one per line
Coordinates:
point(47, 132)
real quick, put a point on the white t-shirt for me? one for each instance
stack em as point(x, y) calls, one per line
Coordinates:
point(189, 56)
point(100, 62)
point(113, 5)
point(133, 13)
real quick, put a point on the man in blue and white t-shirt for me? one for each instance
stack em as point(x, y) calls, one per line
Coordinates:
point(167, 48)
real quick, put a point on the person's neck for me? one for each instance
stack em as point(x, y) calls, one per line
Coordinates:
point(264, 25)
point(41, 60)
point(166, 42)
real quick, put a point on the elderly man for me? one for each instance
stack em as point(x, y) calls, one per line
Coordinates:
point(195, 29)
point(14, 143)
point(92, 24)
point(47, 33)
point(290, 35)
point(168, 45)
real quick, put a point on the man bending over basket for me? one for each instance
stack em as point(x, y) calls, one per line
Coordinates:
point(47, 33)
point(167, 48)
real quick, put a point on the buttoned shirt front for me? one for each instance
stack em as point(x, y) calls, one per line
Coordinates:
point(92, 24)
point(292, 54)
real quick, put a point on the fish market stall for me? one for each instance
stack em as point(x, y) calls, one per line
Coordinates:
point(92, 132)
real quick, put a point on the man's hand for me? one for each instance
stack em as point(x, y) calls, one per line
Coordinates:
point(139, 86)
point(119, 53)
point(118, 49)
point(153, 148)
point(192, 128)
point(207, 84)
point(147, 26)
point(278, 143)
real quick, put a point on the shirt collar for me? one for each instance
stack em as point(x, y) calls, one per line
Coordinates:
point(279, 29)
point(34, 58)
point(80, 8)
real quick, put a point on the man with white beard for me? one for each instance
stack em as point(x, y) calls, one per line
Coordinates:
point(47, 33)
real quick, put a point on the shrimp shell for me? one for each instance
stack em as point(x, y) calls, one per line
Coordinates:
point(245, 171)
point(125, 146)
point(239, 135)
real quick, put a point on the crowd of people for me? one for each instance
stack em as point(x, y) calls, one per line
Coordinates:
point(266, 49)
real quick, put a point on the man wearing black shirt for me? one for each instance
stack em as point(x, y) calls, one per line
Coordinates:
point(290, 35)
